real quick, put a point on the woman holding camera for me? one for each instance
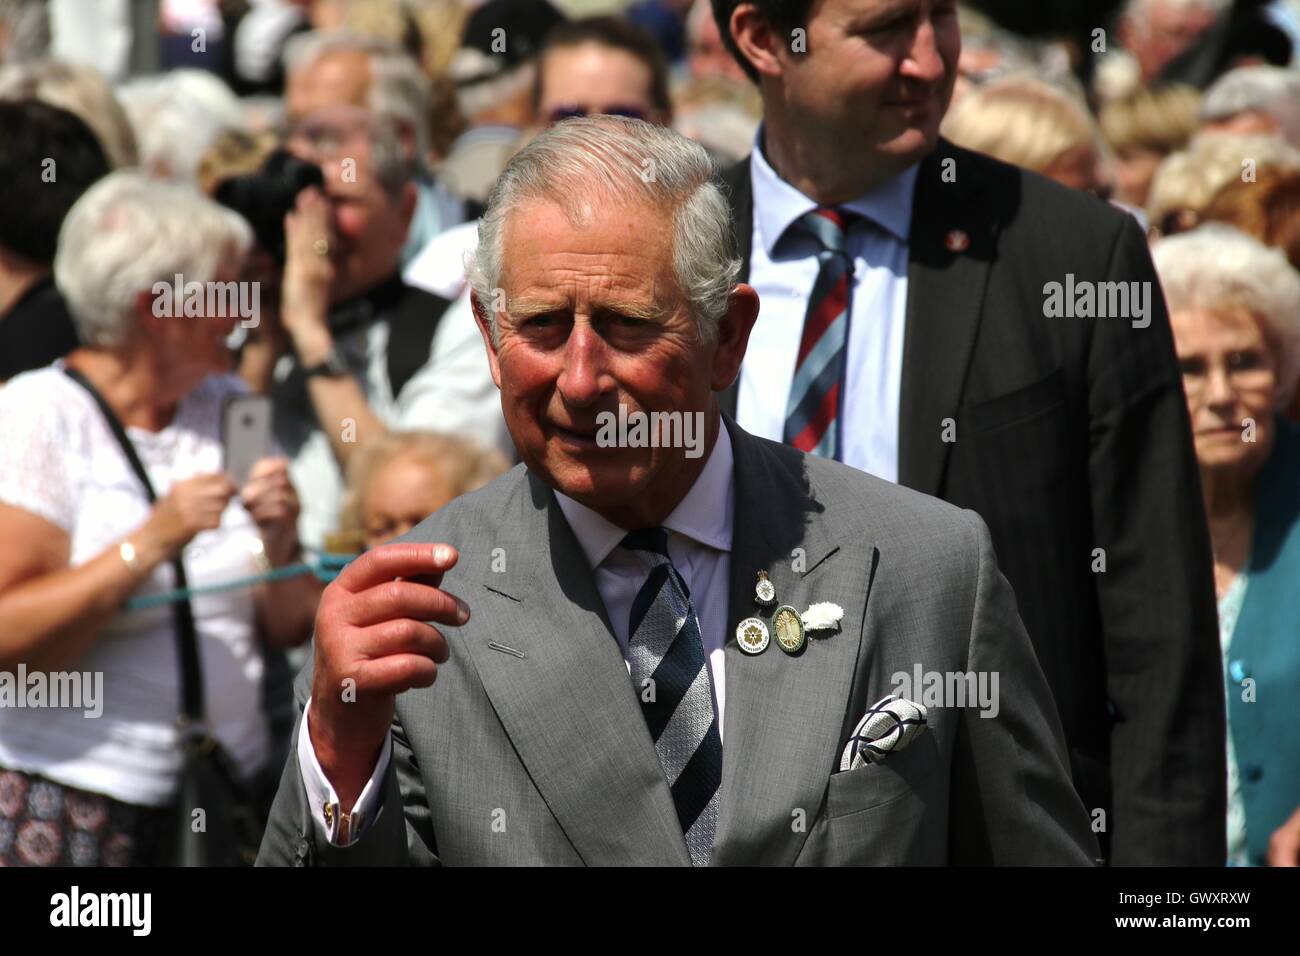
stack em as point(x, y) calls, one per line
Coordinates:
point(82, 537)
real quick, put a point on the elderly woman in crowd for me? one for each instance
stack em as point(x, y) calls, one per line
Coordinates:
point(81, 537)
point(1235, 309)
point(398, 480)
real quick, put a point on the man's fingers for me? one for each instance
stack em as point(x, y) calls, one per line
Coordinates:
point(394, 674)
point(404, 559)
point(399, 599)
point(405, 636)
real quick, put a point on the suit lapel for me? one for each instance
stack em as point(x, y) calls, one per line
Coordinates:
point(784, 714)
point(568, 704)
point(950, 250)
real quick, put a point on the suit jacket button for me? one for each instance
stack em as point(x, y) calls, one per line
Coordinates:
point(1254, 773)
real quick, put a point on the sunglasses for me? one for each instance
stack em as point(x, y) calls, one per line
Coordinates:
point(569, 112)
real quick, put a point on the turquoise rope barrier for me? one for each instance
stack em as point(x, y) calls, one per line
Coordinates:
point(326, 568)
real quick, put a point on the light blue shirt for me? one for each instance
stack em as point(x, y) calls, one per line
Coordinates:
point(783, 270)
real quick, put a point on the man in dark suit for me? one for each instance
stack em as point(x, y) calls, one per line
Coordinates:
point(978, 333)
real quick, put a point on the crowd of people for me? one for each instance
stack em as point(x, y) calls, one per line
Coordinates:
point(339, 163)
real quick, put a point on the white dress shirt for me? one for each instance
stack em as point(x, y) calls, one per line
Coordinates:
point(783, 272)
point(699, 543)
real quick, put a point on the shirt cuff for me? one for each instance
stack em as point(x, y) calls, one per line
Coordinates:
point(324, 801)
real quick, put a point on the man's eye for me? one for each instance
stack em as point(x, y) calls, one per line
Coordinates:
point(1191, 366)
point(888, 26)
point(1244, 361)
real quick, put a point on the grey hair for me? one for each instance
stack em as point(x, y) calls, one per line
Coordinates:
point(584, 160)
point(1216, 267)
point(26, 26)
point(129, 231)
point(391, 165)
point(399, 90)
point(177, 116)
point(1268, 89)
point(472, 99)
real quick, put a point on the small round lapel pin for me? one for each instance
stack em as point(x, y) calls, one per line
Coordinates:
point(956, 241)
point(788, 628)
point(752, 636)
point(764, 590)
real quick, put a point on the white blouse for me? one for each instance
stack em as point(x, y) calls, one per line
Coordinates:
point(60, 461)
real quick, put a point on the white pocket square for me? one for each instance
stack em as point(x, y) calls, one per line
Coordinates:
point(888, 725)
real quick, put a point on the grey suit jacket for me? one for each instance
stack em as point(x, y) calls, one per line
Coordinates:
point(530, 748)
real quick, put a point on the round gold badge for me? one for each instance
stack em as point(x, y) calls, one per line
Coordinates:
point(787, 625)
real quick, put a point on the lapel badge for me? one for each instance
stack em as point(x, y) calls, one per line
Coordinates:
point(823, 616)
point(764, 590)
point(752, 636)
point(788, 627)
point(956, 241)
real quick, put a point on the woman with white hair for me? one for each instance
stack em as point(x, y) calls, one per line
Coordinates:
point(1235, 309)
point(83, 536)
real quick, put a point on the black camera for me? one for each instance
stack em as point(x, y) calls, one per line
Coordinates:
point(265, 196)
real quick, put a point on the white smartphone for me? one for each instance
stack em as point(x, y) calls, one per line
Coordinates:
point(245, 435)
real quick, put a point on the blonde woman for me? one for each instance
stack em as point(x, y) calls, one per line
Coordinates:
point(1143, 128)
point(1187, 181)
point(397, 481)
point(1036, 126)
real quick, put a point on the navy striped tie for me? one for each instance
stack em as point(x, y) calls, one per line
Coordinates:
point(813, 408)
point(671, 676)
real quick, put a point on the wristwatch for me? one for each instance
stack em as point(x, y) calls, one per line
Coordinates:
point(334, 366)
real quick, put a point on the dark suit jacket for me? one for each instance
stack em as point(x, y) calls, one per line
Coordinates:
point(1071, 434)
point(531, 747)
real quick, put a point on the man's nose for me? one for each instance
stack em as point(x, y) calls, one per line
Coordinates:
point(583, 378)
point(923, 61)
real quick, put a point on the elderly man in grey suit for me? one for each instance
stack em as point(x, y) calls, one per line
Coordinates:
point(663, 637)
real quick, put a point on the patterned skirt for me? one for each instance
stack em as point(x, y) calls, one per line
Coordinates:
point(43, 823)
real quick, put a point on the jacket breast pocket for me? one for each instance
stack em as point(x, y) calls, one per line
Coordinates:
point(905, 773)
point(1012, 408)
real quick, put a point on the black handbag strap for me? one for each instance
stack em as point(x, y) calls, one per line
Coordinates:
point(187, 646)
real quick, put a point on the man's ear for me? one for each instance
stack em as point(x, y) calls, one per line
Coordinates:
point(757, 39)
point(406, 204)
point(485, 330)
point(733, 336)
point(146, 320)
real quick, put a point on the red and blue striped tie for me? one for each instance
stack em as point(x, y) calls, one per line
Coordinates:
point(812, 412)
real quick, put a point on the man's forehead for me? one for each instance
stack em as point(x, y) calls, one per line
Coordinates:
point(632, 292)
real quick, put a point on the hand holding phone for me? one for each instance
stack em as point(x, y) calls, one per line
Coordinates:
point(245, 435)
